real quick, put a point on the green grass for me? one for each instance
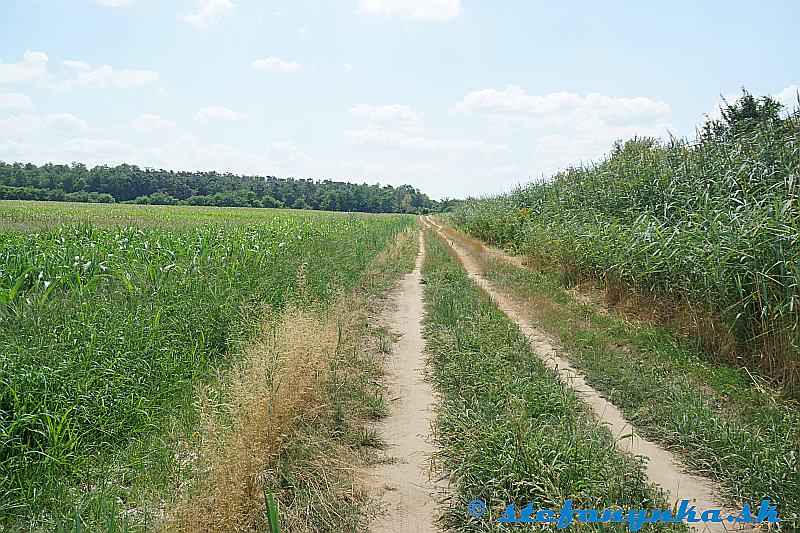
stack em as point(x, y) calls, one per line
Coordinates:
point(112, 316)
point(510, 431)
point(726, 423)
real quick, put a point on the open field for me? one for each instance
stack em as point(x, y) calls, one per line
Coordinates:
point(205, 369)
point(114, 317)
point(188, 369)
point(399, 266)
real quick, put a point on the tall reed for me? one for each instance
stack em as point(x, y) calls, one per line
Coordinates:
point(709, 230)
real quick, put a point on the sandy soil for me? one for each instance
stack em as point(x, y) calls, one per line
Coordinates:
point(662, 467)
point(407, 493)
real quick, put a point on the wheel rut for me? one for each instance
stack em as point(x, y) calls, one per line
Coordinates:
point(662, 467)
point(409, 495)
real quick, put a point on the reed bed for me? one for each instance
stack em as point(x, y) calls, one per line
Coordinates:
point(705, 232)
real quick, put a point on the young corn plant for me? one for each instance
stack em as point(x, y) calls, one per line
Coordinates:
point(271, 509)
point(111, 318)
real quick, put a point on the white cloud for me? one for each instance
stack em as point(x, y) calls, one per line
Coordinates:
point(17, 148)
point(411, 9)
point(15, 101)
point(147, 122)
point(393, 116)
point(31, 68)
point(209, 12)
point(81, 66)
point(97, 147)
point(274, 14)
point(397, 139)
point(27, 124)
point(114, 3)
point(106, 76)
point(65, 121)
point(513, 105)
point(302, 32)
point(571, 128)
point(20, 126)
point(348, 67)
point(275, 64)
point(207, 114)
point(789, 97)
point(559, 150)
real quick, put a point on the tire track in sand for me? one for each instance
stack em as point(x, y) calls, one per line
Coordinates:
point(409, 495)
point(662, 467)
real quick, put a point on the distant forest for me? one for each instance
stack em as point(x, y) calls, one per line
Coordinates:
point(131, 184)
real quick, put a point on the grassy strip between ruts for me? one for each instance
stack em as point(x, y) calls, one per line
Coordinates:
point(296, 421)
point(510, 431)
point(725, 423)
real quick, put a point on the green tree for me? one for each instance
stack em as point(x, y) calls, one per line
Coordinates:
point(743, 116)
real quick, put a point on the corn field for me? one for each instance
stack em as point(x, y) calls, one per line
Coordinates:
point(108, 327)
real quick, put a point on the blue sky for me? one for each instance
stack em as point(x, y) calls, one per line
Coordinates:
point(456, 97)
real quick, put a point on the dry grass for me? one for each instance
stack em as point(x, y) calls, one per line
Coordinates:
point(477, 251)
point(297, 378)
point(642, 307)
point(279, 380)
point(609, 294)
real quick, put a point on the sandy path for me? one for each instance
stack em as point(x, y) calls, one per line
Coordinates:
point(409, 495)
point(662, 467)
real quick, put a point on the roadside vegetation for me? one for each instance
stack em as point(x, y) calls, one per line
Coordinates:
point(296, 419)
point(510, 431)
point(121, 345)
point(725, 423)
point(702, 234)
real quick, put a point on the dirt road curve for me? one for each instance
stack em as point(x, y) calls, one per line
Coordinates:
point(663, 468)
point(408, 494)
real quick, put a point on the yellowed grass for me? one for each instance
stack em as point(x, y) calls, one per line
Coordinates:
point(275, 384)
point(280, 381)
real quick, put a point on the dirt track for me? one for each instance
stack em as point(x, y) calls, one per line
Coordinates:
point(662, 467)
point(408, 495)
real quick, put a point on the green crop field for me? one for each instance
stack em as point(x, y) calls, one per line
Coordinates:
point(112, 316)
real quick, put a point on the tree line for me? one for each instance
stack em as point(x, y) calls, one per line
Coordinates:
point(132, 184)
